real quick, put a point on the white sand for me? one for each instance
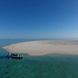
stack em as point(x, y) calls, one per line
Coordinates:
point(44, 47)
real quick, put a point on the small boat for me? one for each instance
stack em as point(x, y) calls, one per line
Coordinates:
point(14, 56)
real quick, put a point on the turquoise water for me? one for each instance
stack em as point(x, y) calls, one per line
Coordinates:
point(31, 68)
point(60, 66)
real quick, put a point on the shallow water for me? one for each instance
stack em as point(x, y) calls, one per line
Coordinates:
point(31, 68)
point(59, 66)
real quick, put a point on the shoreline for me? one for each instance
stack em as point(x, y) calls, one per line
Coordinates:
point(44, 47)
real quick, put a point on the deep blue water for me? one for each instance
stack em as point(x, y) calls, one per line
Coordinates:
point(4, 42)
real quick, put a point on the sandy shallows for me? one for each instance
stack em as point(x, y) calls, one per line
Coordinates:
point(44, 47)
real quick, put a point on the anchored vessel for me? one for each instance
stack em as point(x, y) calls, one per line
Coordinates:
point(14, 56)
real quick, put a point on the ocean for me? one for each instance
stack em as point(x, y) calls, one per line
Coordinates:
point(37, 66)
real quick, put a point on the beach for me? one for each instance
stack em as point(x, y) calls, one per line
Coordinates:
point(44, 47)
point(37, 65)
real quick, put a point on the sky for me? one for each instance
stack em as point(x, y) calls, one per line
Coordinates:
point(46, 19)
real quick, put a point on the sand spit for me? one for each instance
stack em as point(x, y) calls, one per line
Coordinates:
point(44, 47)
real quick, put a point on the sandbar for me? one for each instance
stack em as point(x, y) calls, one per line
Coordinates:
point(44, 47)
